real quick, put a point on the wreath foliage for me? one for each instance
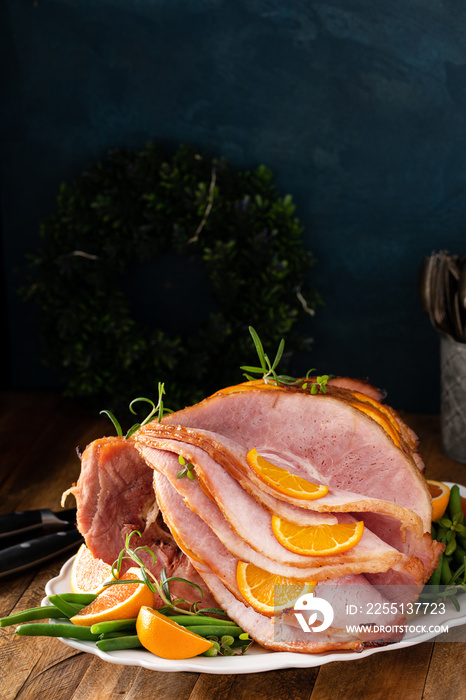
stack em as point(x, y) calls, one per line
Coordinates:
point(133, 208)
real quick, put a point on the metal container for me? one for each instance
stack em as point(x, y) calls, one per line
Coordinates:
point(453, 398)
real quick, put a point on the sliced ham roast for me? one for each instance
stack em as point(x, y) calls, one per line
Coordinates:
point(345, 439)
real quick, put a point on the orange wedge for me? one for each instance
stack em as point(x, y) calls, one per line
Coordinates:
point(117, 602)
point(166, 638)
point(268, 593)
point(440, 494)
point(88, 574)
point(317, 540)
point(282, 480)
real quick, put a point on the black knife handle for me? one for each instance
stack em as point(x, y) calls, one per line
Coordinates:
point(35, 551)
point(11, 523)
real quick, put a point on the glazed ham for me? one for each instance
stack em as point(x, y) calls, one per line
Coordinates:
point(115, 496)
point(345, 439)
point(212, 559)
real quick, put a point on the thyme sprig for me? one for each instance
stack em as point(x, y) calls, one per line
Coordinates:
point(269, 375)
point(158, 409)
point(187, 470)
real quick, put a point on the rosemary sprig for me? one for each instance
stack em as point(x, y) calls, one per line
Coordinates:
point(226, 645)
point(160, 588)
point(158, 409)
point(269, 375)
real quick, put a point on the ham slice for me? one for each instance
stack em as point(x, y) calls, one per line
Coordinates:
point(259, 545)
point(232, 456)
point(218, 568)
point(325, 435)
point(399, 527)
point(115, 496)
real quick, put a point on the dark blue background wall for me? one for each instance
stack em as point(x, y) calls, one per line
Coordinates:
point(359, 108)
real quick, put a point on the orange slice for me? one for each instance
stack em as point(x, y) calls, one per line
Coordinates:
point(440, 494)
point(268, 593)
point(317, 540)
point(166, 638)
point(282, 480)
point(117, 602)
point(88, 574)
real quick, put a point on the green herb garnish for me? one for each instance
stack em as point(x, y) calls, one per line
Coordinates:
point(225, 644)
point(158, 409)
point(269, 375)
point(188, 469)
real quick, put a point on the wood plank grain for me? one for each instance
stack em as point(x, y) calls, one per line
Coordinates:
point(18, 431)
point(446, 677)
point(25, 659)
point(388, 674)
point(169, 686)
point(42, 460)
point(292, 684)
point(55, 674)
point(220, 687)
point(438, 465)
point(103, 680)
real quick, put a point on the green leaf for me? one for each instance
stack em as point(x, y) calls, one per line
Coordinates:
point(279, 354)
point(165, 584)
point(259, 348)
point(114, 421)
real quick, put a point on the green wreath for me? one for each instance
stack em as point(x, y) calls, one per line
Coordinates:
point(134, 208)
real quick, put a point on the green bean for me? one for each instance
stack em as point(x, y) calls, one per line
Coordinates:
point(52, 629)
point(114, 635)
point(44, 612)
point(68, 609)
point(436, 575)
point(445, 575)
point(459, 554)
point(454, 504)
point(433, 531)
point(130, 642)
point(451, 546)
point(216, 631)
point(194, 620)
point(441, 534)
point(114, 626)
point(213, 651)
point(78, 598)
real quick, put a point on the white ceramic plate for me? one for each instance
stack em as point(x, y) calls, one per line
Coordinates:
point(257, 659)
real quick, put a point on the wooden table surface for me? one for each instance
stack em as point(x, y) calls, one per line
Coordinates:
point(39, 434)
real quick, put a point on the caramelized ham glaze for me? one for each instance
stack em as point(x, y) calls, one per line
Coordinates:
point(345, 439)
